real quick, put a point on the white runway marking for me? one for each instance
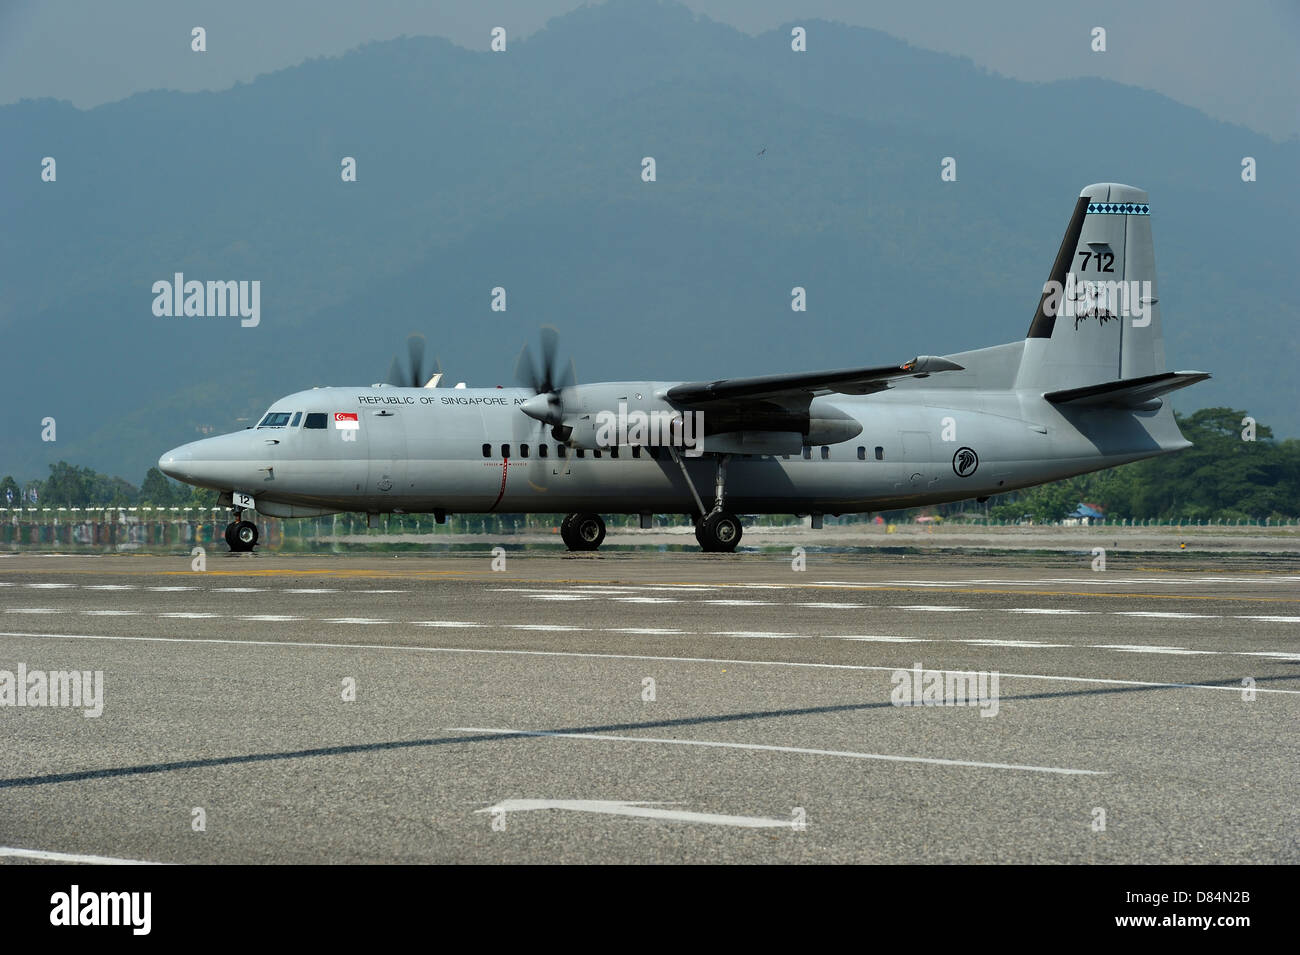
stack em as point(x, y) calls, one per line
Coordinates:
point(798, 750)
point(309, 590)
point(169, 590)
point(1165, 615)
point(356, 620)
point(48, 586)
point(189, 615)
point(826, 605)
point(860, 667)
point(641, 810)
point(381, 591)
point(641, 600)
point(738, 603)
point(562, 597)
point(644, 631)
point(871, 639)
point(544, 626)
point(269, 617)
point(237, 590)
point(32, 610)
point(1045, 610)
point(1273, 619)
point(935, 608)
point(1140, 648)
point(1013, 643)
point(111, 613)
point(70, 857)
point(757, 633)
point(111, 587)
point(452, 624)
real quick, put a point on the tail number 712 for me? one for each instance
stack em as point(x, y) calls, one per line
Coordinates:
point(1108, 258)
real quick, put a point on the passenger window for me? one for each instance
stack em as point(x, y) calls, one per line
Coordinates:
point(505, 450)
point(581, 453)
point(636, 451)
point(595, 453)
point(487, 450)
point(315, 419)
point(613, 452)
point(297, 416)
point(826, 453)
point(807, 454)
point(541, 450)
point(862, 453)
point(561, 450)
point(880, 453)
point(523, 450)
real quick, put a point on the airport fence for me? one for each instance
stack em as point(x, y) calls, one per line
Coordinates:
point(145, 528)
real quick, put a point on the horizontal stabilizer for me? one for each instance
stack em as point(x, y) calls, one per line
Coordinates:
point(1127, 392)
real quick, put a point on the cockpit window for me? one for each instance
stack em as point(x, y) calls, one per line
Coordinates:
point(275, 419)
point(297, 416)
point(315, 419)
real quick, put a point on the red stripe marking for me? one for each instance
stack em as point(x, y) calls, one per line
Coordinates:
point(505, 466)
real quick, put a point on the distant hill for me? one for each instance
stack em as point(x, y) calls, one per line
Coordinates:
point(522, 169)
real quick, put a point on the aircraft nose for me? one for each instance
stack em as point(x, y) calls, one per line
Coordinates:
point(173, 462)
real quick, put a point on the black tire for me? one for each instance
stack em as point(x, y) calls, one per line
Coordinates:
point(720, 532)
point(230, 535)
point(244, 536)
point(586, 531)
point(566, 531)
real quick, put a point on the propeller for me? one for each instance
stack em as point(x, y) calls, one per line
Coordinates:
point(547, 380)
point(415, 375)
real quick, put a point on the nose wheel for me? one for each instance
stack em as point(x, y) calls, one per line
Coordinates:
point(582, 531)
point(241, 535)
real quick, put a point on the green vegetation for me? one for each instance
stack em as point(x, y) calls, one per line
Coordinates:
point(1220, 478)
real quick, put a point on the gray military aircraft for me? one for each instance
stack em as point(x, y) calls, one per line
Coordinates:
point(1080, 393)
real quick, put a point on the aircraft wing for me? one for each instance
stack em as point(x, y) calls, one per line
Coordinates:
point(798, 389)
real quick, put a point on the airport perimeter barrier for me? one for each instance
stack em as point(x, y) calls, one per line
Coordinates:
point(112, 529)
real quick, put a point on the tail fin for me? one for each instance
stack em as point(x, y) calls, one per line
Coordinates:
point(1098, 319)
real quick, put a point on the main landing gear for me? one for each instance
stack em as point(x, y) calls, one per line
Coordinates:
point(719, 530)
point(582, 531)
point(241, 535)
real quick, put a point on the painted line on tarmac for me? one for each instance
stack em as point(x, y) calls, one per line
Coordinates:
point(796, 750)
point(859, 667)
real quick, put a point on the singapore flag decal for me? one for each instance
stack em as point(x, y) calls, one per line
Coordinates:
point(345, 421)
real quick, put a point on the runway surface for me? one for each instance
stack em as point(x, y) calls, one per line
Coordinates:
point(651, 708)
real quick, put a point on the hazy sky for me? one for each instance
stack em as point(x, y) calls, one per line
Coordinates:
point(1238, 62)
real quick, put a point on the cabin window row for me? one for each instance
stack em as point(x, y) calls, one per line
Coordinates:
point(653, 451)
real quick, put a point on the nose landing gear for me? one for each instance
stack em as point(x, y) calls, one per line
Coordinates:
point(241, 535)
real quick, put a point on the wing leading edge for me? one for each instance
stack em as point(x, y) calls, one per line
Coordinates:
point(802, 387)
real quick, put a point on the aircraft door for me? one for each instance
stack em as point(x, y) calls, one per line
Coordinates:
point(387, 480)
point(918, 464)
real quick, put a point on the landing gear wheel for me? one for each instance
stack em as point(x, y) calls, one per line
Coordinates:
point(242, 536)
point(230, 535)
point(566, 531)
point(586, 531)
point(719, 533)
